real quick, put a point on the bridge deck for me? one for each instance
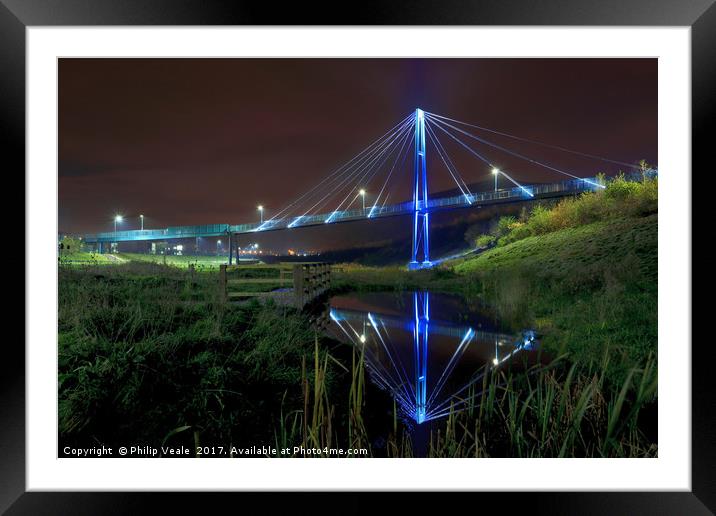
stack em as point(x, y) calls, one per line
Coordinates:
point(531, 192)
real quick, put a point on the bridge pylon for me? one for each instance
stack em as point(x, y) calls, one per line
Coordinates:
point(421, 219)
point(421, 306)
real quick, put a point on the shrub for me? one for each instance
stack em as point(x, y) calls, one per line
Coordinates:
point(540, 221)
point(518, 232)
point(620, 198)
point(485, 241)
point(504, 225)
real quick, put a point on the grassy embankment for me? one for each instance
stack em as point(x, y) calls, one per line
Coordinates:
point(147, 356)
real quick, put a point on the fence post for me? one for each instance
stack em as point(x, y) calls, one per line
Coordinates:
point(222, 282)
point(191, 272)
point(298, 285)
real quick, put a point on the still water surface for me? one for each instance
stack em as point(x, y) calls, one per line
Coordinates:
point(430, 351)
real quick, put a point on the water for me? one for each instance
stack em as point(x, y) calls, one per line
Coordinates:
point(427, 349)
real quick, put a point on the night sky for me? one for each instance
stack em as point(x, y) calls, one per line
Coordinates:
point(201, 141)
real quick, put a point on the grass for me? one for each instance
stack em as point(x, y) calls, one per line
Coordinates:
point(148, 353)
point(587, 289)
point(554, 411)
point(549, 414)
point(143, 351)
point(83, 258)
point(200, 262)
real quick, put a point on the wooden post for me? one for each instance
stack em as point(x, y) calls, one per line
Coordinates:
point(191, 272)
point(222, 282)
point(164, 258)
point(298, 285)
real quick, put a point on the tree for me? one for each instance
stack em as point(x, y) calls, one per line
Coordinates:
point(70, 244)
point(644, 167)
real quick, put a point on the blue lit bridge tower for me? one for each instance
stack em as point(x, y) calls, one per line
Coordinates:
point(421, 305)
point(421, 244)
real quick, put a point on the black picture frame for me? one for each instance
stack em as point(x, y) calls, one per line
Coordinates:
point(17, 15)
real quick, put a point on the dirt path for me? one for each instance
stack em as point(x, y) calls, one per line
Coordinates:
point(115, 259)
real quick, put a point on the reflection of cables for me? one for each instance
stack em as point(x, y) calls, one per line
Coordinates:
point(451, 364)
point(385, 346)
point(385, 363)
point(359, 340)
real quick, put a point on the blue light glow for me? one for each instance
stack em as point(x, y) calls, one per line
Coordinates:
point(423, 388)
point(421, 221)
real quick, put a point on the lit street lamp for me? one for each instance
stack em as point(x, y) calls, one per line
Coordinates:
point(117, 218)
point(495, 172)
point(218, 247)
point(141, 219)
point(261, 212)
point(362, 194)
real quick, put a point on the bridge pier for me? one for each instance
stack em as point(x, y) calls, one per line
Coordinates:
point(231, 247)
point(99, 247)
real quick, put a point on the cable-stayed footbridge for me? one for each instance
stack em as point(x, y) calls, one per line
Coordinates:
point(384, 167)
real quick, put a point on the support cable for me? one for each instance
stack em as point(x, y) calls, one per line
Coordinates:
point(516, 154)
point(537, 142)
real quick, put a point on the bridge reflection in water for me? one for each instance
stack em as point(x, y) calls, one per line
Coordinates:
point(427, 364)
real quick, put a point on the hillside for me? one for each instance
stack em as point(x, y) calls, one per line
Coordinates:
point(591, 290)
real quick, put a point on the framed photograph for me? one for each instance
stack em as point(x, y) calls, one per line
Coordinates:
point(425, 244)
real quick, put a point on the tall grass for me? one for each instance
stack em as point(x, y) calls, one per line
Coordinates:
point(558, 410)
point(145, 350)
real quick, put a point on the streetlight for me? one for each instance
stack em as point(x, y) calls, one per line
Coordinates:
point(261, 212)
point(496, 172)
point(117, 218)
point(362, 194)
point(218, 247)
point(141, 218)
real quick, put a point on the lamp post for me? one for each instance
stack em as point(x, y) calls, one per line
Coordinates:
point(362, 194)
point(261, 212)
point(117, 218)
point(218, 247)
point(495, 172)
point(141, 220)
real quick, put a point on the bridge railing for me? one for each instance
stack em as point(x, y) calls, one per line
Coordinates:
point(155, 234)
point(526, 192)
